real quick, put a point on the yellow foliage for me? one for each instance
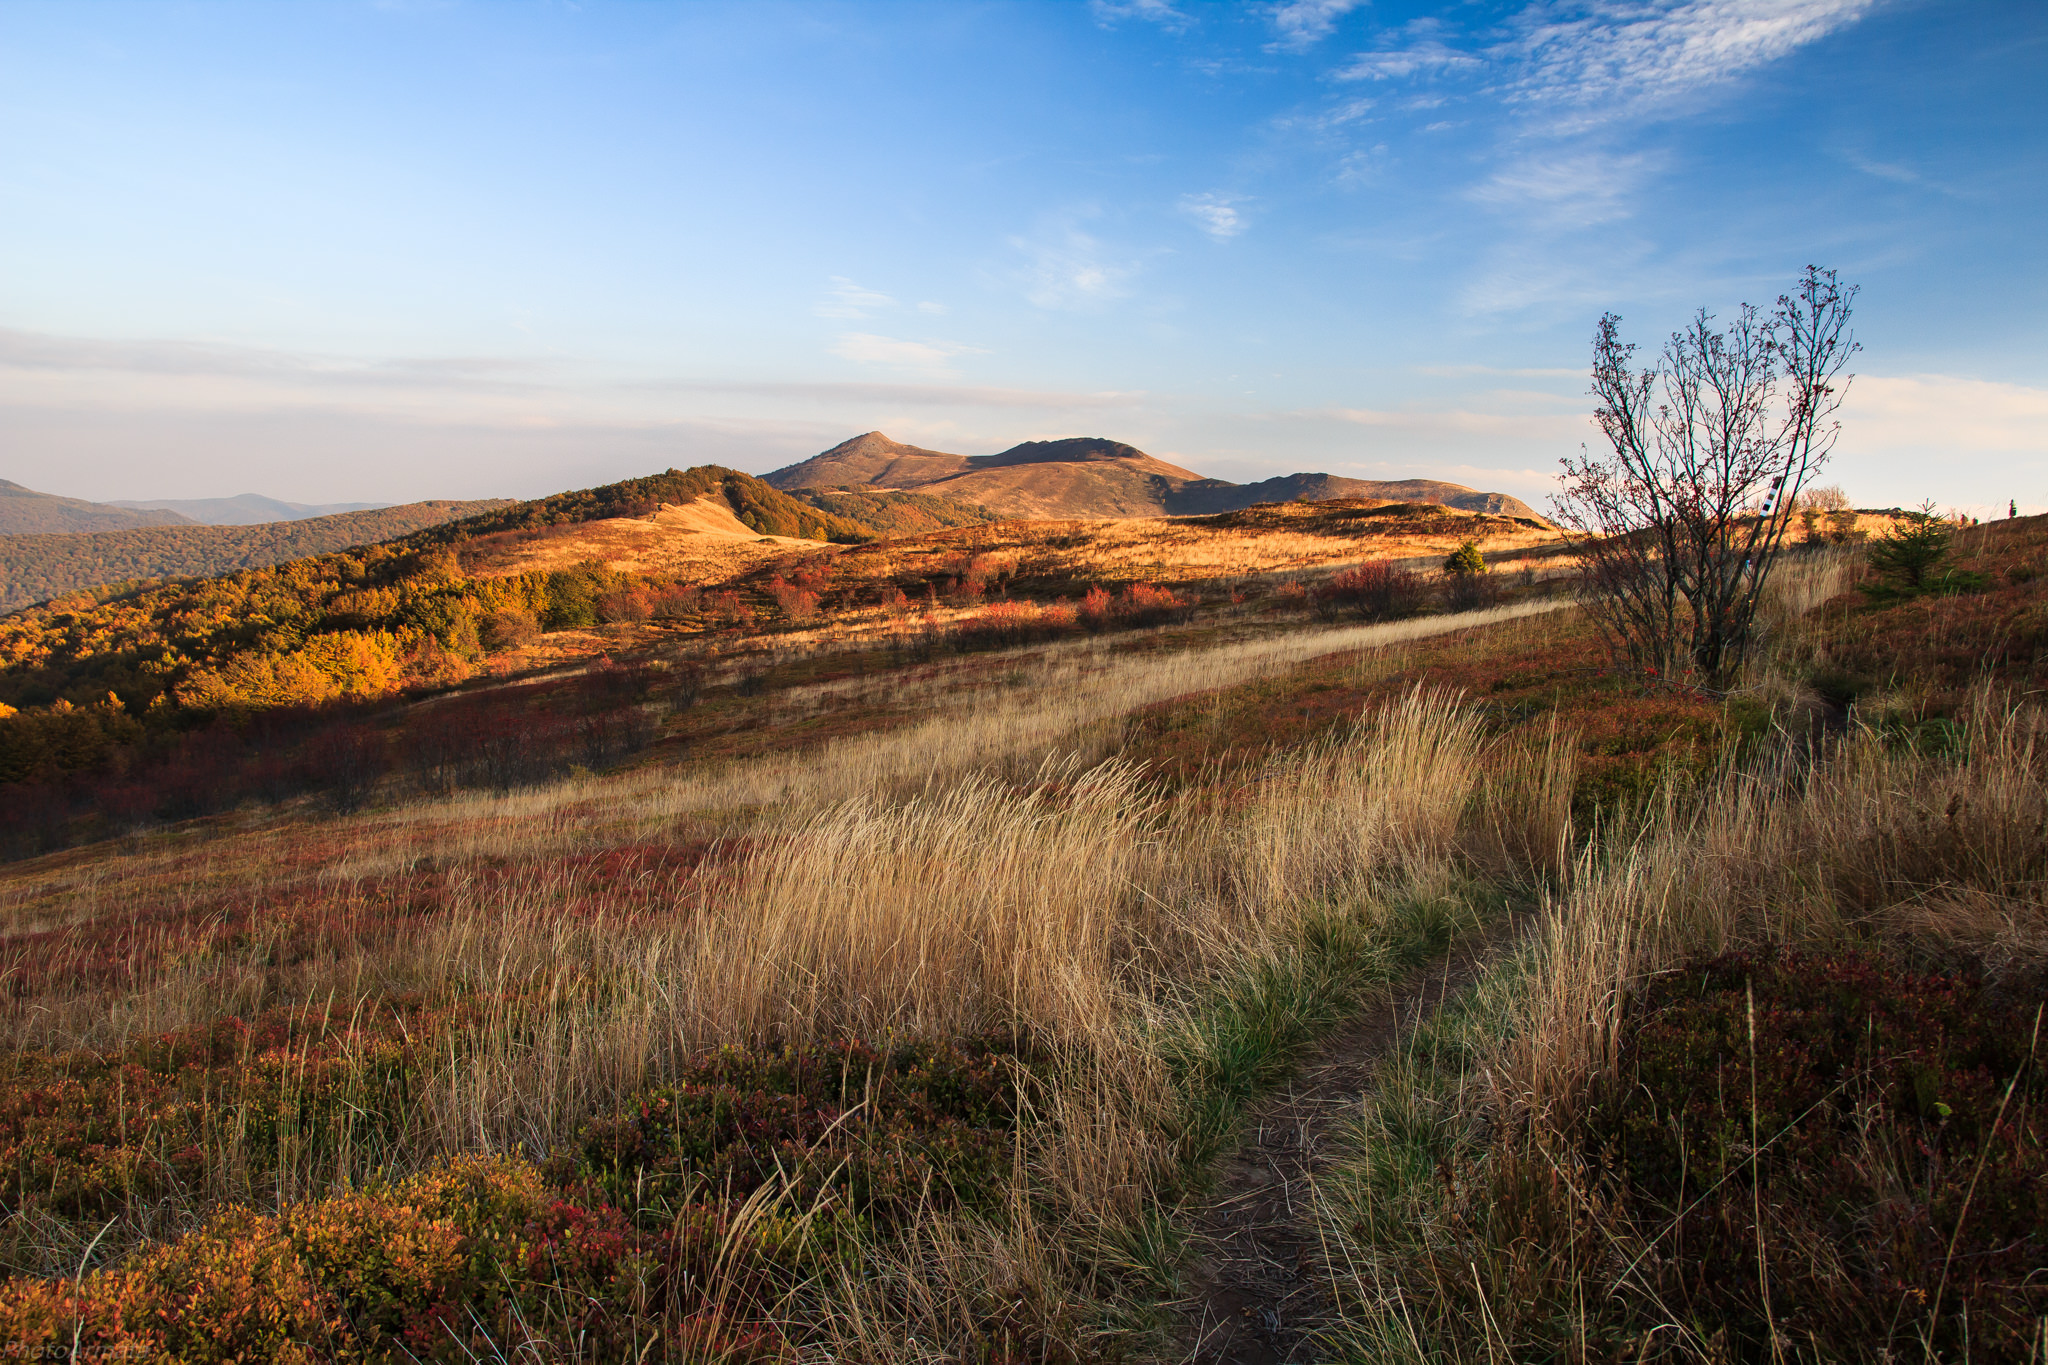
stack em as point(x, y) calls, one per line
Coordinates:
point(295, 1288)
point(346, 663)
point(235, 1292)
point(360, 664)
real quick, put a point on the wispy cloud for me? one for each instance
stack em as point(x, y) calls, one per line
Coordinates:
point(1577, 92)
point(1108, 13)
point(1576, 64)
point(1215, 214)
point(1336, 116)
point(1463, 371)
point(1067, 269)
point(1525, 425)
point(845, 299)
point(1539, 272)
point(1427, 54)
point(907, 395)
point(930, 357)
point(1302, 24)
point(1596, 61)
point(1898, 174)
point(23, 350)
point(1940, 412)
point(1576, 190)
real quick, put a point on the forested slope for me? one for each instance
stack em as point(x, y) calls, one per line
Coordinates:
point(23, 511)
point(89, 670)
point(762, 508)
point(35, 568)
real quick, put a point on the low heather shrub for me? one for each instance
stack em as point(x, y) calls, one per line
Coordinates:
point(1838, 1147)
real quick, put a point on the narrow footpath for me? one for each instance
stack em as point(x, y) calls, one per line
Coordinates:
point(1258, 1285)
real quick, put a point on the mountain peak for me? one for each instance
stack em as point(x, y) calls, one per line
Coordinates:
point(1092, 476)
point(1069, 450)
point(874, 443)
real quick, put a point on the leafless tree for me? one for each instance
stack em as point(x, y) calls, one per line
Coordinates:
point(1679, 525)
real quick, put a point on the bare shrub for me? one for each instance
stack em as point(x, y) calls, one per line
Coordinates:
point(1679, 525)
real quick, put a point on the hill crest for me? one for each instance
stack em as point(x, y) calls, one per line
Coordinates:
point(1093, 477)
point(24, 511)
point(245, 509)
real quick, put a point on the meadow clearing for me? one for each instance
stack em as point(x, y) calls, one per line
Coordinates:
point(905, 1003)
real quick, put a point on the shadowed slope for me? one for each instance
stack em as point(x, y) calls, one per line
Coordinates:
point(23, 511)
point(34, 568)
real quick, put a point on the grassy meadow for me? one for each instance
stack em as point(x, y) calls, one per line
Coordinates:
point(886, 984)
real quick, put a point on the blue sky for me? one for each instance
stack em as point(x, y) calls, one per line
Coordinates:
point(388, 251)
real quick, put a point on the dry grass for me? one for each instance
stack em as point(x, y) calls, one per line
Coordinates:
point(702, 542)
point(1291, 539)
point(1877, 838)
point(697, 544)
point(1064, 910)
point(1473, 1225)
point(990, 871)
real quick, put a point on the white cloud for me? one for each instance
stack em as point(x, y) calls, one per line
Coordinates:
point(1304, 23)
point(1348, 111)
point(1066, 269)
point(1215, 214)
point(1582, 63)
point(1576, 190)
point(1598, 60)
point(1519, 279)
point(845, 299)
point(62, 355)
point(1883, 170)
point(839, 394)
point(1948, 414)
point(1161, 12)
point(1539, 426)
point(926, 356)
point(1460, 371)
point(1428, 54)
point(931, 308)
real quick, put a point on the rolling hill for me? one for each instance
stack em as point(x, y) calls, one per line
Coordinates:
point(245, 509)
point(758, 507)
point(1094, 477)
point(367, 618)
point(23, 511)
point(35, 568)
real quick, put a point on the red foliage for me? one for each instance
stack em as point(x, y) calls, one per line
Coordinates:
point(1891, 1115)
point(1377, 591)
point(636, 1250)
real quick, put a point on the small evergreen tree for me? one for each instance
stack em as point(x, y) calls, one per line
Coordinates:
point(1908, 556)
point(1465, 561)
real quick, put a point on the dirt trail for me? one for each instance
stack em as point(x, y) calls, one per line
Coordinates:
point(1258, 1284)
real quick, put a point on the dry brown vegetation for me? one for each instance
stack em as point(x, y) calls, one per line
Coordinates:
point(706, 543)
point(1036, 922)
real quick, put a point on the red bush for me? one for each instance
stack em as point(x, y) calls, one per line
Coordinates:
point(1378, 592)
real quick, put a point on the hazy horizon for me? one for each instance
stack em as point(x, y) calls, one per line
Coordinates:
point(393, 251)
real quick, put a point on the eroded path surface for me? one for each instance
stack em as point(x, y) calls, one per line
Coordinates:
point(1258, 1284)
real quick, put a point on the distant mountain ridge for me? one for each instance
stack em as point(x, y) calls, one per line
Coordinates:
point(23, 511)
point(39, 566)
point(244, 509)
point(1093, 477)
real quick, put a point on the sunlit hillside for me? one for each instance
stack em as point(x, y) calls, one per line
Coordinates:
point(141, 698)
point(983, 983)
